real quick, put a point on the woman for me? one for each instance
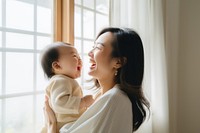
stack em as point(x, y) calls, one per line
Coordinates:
point(117, 65)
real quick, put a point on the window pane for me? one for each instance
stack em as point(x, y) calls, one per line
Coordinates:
point(39, 113)
point(0, 15)
point(87, 46)
point(19, 115)
point(101, 22)
point(19, 15)
point(43, 41)
point(78, 45)
point(44, 20)
point(86, 67)
point(1, 73)
point(88, 3)
point(19, 72)
point(86, 85)
point(15, 40)
point(0, 39)
point(41, 79)
point(78, 2)
point(78, 21)
point(102, 6)
point(88, 24)
point(45, 3)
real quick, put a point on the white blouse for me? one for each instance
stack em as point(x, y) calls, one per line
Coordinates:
point(111, 113)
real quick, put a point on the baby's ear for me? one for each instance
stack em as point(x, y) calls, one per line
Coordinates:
point(55, 65)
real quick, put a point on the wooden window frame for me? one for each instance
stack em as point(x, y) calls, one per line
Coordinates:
point(64, 21)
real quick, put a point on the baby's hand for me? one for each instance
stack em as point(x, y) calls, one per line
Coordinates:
point(88, 100)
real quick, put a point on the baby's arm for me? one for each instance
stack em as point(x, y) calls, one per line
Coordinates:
point(61, 98)
point(86, 101)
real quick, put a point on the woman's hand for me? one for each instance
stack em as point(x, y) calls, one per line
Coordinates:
point(50, 119)
point(86, 101)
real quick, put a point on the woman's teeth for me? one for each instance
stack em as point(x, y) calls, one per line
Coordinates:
point(93, 66)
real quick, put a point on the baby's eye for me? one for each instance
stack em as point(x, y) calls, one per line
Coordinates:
point(75, 55)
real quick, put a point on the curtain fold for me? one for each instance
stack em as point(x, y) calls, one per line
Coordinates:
point(146, 17)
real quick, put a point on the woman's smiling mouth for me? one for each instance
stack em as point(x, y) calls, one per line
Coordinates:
point(93, 64)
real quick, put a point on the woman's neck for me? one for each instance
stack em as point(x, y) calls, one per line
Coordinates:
point(106, 85)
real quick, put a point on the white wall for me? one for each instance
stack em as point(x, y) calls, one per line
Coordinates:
point(188, 112)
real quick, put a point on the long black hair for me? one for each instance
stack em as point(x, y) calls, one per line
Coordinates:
point(128, 47)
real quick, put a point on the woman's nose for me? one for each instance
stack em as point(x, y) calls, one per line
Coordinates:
point(90, 53)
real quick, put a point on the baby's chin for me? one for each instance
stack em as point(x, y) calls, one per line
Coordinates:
point(77, 75)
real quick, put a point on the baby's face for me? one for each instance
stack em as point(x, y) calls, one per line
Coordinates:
point(69, 62)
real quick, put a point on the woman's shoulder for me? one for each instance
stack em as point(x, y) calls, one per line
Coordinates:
point(116, 96)
point(116, 92)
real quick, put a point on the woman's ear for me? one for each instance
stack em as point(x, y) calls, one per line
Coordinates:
point(55, 65)
point(124, 60)
point(119, 62)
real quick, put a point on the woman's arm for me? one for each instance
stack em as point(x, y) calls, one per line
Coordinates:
point(50, 119)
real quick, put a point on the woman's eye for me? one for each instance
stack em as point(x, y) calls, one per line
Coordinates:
point(96, 47)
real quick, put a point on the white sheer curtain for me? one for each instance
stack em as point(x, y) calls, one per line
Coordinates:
point(146, 17)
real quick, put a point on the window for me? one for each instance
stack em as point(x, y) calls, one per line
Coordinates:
point(25, 28)
point(90, 17)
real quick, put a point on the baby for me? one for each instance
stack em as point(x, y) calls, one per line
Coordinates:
point(62, 65)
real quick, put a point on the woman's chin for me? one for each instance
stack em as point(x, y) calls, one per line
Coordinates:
point(91, 72)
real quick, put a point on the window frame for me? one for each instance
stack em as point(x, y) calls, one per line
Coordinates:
point(64, 21)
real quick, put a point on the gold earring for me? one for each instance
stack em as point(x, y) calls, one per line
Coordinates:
point(116, 73)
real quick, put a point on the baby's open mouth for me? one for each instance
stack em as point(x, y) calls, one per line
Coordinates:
point(78, 68)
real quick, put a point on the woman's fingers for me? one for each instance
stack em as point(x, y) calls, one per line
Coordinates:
point(46, 98)
point(50, 119)
point(48, 112)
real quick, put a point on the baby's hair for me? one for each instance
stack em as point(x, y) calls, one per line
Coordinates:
point(49, 55)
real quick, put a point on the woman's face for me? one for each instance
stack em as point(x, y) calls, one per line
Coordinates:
point(100, 57)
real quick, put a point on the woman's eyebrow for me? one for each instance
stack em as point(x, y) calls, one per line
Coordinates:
point(99, 43)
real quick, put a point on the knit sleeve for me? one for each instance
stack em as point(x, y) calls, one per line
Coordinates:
point(62, 100)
